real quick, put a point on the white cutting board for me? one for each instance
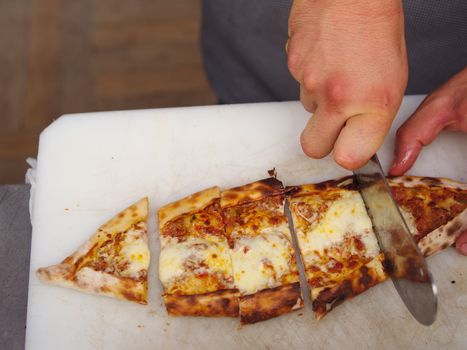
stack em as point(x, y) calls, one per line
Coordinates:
point(90, 166)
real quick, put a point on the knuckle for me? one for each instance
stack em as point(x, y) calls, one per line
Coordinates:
point(293, 60)
point(336, 91)
point(389, 98)
point(309, 80)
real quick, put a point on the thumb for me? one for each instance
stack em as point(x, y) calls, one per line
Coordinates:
point(461, 243)
point(418, 131)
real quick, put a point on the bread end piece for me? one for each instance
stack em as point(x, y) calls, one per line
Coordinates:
point(326, 298)
point(223, 303)
point(270, 303)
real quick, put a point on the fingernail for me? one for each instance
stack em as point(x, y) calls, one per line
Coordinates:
point(463, 248)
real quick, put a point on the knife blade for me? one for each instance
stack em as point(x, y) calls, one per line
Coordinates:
point(403, 261)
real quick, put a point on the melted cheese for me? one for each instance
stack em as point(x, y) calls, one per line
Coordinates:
point(260, 262)
point(135, 251)
point(125, 254)
point(344, 216)
point(194, 256)
point(93, 280)
point(137, 254)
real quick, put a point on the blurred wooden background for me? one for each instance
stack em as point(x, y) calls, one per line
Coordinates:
point(65, 56)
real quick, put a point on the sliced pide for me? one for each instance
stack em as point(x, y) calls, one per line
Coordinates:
point(195, 265)
point(113, 262)
point(337, 244)
point(263, 259)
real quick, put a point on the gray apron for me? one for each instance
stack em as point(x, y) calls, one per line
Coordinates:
point(243, 47)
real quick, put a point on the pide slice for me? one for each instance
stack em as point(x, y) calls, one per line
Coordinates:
point(263, 259)
point(195, 265)
point(113, 262)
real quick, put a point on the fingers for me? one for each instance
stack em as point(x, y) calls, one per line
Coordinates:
point(418, 131)
point(360, 138)
point(461, 243)
point(320, 133)
point(405, 158)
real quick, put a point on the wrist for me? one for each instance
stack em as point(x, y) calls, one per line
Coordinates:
point(370, 9)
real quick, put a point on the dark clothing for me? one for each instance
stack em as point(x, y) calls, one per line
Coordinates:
point(243, 47)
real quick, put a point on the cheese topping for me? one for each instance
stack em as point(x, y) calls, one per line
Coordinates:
point(90, 277)
point(135, 250)
point(344, 216)
point(123, 254)
point(194, 256)
point(260, 262)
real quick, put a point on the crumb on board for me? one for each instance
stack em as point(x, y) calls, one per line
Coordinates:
point(66, 209)
point(300, 314)
point(152, 313)
point(167, 323)
point(140, 326)
point(453, 281)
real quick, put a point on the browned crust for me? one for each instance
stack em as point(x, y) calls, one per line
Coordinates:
point(270, 303)
point(125, 219)
point(346, 182)
point(190, 204)
point(95, 282)
point(121, 222)
point(349, 183)
point(71, 273)
point(426, 181)
point(218, 303)
point(251, 192)
point(326, 298)
point(443, 236)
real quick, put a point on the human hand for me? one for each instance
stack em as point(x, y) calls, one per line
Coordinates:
point(444, 108)
point(350, 60)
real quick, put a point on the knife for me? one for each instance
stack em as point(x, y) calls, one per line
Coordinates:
point(403, 261)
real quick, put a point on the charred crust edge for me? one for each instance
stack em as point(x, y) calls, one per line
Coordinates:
point(269, 303)
point(252, 192)
point(219, 303)
point(347, 183)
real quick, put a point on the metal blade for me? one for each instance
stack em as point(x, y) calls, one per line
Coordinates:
point(403, 260)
